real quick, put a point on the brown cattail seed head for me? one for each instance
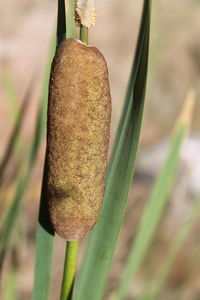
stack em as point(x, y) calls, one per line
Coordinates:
point(78, 126)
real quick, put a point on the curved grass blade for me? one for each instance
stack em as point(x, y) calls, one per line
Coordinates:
point(13, 212)
point(16, 130)
point(158, 198)
point(103, 238)
point(10, 94)
point(174, 251)
point(10, 289)
point(44, 249)
point(143, 34)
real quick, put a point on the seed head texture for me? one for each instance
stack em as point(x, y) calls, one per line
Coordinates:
point(78, 129)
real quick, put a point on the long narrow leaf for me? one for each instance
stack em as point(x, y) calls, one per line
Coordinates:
point(10, 95)
point(16, 130)
point(103, 238)
point(12, 214)
point(44, 249)
point(155, 206)
point(174, 251)
point(10, 289)
point(61, 22)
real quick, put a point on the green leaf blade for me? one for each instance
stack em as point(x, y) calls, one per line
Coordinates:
point(152, 213)
point(158, 198)
point(44, 250)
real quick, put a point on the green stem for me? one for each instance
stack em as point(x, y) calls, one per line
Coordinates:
point(69, 270)
point(84, 34)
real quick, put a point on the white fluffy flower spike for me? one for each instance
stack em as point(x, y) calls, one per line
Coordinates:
point(85, 13)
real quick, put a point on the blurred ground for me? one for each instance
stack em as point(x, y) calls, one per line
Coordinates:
point(26, 29)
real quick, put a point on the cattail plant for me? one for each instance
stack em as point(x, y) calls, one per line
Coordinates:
point(77, 144)
point(76, 158)
point(79, 110)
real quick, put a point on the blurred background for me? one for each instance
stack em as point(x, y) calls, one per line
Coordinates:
point(26, 33)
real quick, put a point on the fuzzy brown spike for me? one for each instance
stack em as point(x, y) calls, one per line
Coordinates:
point(78, 127)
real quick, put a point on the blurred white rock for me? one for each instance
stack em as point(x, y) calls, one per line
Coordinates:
point(150, 161)
point(186, 186)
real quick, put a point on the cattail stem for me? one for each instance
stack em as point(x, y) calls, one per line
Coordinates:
point(84, 34)
point(69, 270)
